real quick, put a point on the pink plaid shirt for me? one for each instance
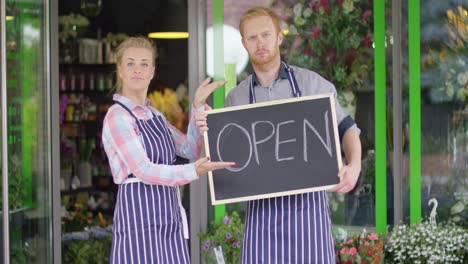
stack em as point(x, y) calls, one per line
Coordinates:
point(125, 152)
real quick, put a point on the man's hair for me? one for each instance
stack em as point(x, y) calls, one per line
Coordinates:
point(133, 42)
point(257, 12)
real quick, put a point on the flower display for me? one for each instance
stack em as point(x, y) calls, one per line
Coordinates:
point(226, 234)
point(427, 243)
point(77, 219)
point(365, 248)
point(173, 106)
point(333, 38)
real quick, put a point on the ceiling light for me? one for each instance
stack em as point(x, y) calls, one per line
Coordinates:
point(168, 35)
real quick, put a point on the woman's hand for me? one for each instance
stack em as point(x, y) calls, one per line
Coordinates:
point(204, 165)
point(200, 119)
point(204, 90)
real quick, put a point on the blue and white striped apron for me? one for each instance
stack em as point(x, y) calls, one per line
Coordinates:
point(289, 229)
point(149, 221)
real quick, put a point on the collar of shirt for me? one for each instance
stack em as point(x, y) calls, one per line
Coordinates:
point(283, 74)
point(138, 110)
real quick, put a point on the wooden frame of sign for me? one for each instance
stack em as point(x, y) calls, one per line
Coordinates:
point(280, 148)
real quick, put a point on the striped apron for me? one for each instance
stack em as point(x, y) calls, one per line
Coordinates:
point(149, 221)
point(288, 229)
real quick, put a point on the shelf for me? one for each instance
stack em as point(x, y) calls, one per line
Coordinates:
point(82, 122)
point(107, 92)
point(91, 189)
point(87, 65)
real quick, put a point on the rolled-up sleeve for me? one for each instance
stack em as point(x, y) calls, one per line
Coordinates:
point(188, 145)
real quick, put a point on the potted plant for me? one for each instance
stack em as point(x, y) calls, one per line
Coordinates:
point(333, 38)
point(111, 42)
point(427, 242)
point(71, 27)
point(226, 235)
point(365, 247)
point(92, 245)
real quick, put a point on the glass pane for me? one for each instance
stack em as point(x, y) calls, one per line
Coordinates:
point(336, 42)
point(27, 112)
point(444, 120)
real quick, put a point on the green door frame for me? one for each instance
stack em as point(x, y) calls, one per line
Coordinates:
point(218, 66)
point(380, 118)
point(414, 110)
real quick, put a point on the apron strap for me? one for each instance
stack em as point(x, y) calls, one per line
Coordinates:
point(126, 108)
point(292, 80)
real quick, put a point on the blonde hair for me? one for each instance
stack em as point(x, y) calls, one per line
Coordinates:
point(257, 12)
point(133, 42)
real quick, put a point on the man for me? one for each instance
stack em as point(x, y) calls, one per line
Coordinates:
point(295, 228)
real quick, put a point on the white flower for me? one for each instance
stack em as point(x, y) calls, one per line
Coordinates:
point(298, 9)
point(307, 12)
point(462, 78)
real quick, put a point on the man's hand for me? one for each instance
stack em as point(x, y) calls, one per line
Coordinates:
point(349, 175)
point(204, 165)
point(204, 90)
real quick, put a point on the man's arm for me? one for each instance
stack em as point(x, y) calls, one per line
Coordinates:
point(349, 173)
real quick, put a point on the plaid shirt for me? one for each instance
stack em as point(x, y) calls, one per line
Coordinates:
point(125, 152)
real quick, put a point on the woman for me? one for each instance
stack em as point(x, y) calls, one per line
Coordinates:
point(149, 222)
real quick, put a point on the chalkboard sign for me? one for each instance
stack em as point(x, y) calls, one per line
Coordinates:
point(280, 148)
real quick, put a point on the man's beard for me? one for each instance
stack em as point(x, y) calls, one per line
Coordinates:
point(258, 61)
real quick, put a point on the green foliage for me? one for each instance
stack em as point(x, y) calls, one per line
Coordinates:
point(450, 61)
point(92, 251)
point(16, 192)
point(228, 234)
point(333, 38)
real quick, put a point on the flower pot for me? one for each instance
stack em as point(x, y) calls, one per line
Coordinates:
point(65, 176)
point(84, 173)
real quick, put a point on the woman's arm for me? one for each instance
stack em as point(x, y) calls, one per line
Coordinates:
point(126, 154)
point(188, 146)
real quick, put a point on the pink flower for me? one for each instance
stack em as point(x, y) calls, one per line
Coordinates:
point(349, 242)
point(344, 251)
point(373, 236)
point(324, 5)
point(366, 42)
point(313, 5)
point(353, 251)
point(366, 244)
point(366, 15)
point(315, 33)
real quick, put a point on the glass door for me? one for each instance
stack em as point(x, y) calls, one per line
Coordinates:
point(26, 133)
